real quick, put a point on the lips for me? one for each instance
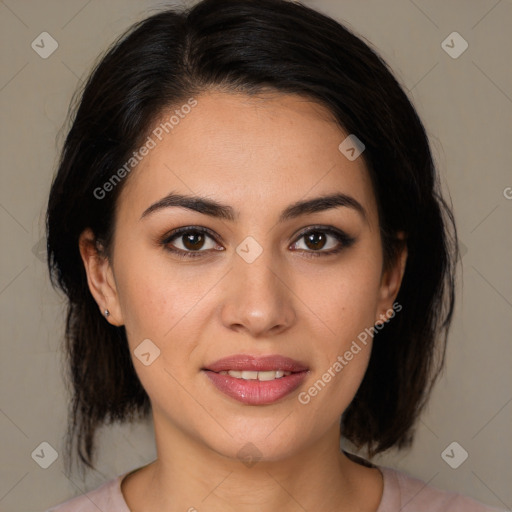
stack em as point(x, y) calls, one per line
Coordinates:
point(256, 380)
point(256, 364)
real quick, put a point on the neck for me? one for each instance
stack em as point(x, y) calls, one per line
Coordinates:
point(189, 476)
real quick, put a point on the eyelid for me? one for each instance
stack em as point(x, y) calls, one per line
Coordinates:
point(185, 229)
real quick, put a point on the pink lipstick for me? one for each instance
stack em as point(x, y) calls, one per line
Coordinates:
point(256, 380)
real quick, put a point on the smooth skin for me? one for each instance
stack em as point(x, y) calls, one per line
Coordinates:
point(257, 154)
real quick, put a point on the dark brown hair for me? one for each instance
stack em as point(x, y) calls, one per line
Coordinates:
point(251, 46)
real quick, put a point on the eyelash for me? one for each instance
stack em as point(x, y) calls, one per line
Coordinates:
point(345, 240)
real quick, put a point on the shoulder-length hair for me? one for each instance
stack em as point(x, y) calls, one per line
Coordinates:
point(253, 46)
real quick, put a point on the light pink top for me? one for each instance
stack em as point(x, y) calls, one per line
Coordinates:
point(402, 493)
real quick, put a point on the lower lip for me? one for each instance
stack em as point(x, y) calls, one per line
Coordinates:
point(255, 392)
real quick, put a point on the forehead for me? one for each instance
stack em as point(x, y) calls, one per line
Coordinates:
point(256, 153)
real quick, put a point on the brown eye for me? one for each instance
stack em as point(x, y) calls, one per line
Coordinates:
point(316, 241)
point(193, 241)
point(189, 242)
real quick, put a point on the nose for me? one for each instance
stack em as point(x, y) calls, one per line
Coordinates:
point(258, 296)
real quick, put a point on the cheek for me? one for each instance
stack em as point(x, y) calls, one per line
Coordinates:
point(161, 303)
point(151, 298)
point(157, 306)
point(143, 303)
point(345, 298)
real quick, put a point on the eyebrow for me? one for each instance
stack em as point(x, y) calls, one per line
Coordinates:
point(218, 210)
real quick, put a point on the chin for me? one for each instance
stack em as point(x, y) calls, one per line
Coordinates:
point(251, 443)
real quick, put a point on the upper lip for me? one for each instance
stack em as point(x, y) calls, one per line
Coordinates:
point(244, 362)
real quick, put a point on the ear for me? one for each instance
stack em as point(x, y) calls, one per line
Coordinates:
point(100, 277)
point(391, 281)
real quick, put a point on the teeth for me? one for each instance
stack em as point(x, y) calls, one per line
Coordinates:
point(263, 376)
point(247, 375)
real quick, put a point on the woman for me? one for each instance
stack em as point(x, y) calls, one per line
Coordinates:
point(247, 223)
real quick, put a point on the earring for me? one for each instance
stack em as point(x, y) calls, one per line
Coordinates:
point(106, 312)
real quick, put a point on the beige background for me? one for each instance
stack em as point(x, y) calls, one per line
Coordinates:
point(466, 104)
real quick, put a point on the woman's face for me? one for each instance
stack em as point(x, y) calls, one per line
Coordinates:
point(256, 284)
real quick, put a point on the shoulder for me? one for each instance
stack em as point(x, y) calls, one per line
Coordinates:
point(106, 497)
point(408, 494)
